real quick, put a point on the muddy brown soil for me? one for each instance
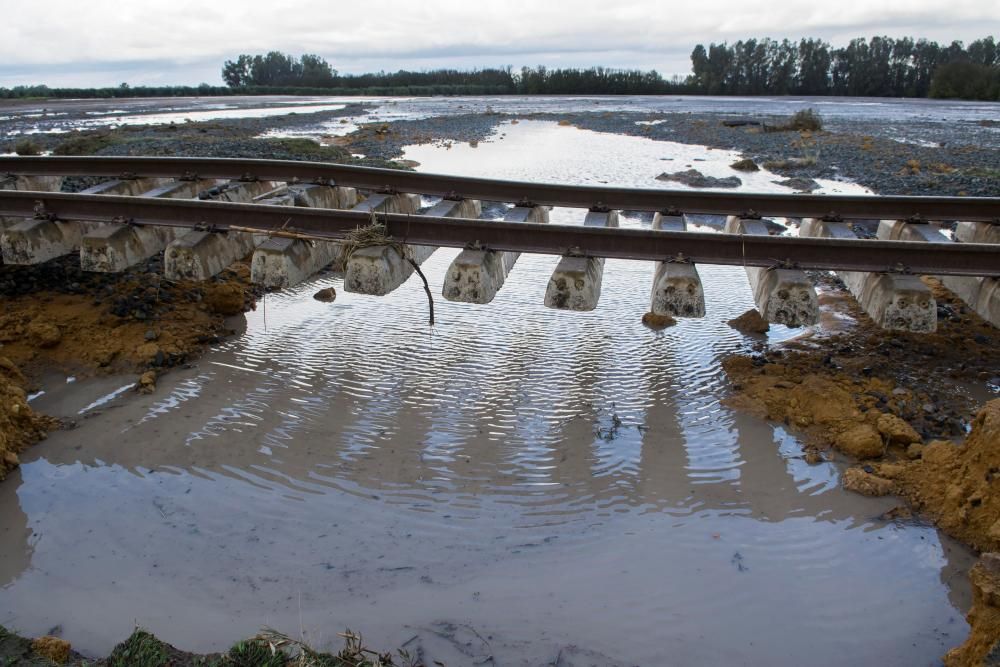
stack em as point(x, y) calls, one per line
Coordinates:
point(20, 426)
point(54, 318)
point(894, 402)
point(981, 648)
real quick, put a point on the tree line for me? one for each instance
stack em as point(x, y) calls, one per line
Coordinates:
point(880, 67)
point(279, 69)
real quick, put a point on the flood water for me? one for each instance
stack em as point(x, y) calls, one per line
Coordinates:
point(516, 482)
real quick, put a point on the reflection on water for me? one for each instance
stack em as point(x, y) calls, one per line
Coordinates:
point(548, 478)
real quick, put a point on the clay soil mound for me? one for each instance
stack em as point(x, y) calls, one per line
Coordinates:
point(54, 316)
point(958, 485)
point(20, 426)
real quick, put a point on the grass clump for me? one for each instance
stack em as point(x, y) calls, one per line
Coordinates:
point(983, 172)
point(309, 149)
point(27, 147)
point(15, 650)
point(141, 649)
point(267, 649)
point(84, 144)
point(256, 652)
point(806, 120)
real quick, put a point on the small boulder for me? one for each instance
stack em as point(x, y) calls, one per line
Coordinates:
point(750, 322)
point(745, 164)
point(655, 321)
point(865, 483)
point(326, 295)
point(147, 383)
point(896, 431)
point(695, 179)
point(51, 648)
point(799, 184)
point(44, 334)
point(915, 451)
point(860, 441)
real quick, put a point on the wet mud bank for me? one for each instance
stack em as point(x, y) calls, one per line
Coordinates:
point(900, 406)
point(962, 162)
point(142, 649)
point(57, 317)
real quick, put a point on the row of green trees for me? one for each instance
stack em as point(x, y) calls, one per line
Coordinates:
point(278, 69)
point(44, 92)
point(880, 67)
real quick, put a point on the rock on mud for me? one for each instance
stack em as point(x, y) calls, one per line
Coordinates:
point(750, 322)
point(326, 295)
point(655, 321)
point(695, 179)
point(896, 431)
point(745, 165)
point(44, 334)
point(865, 483)
point(800, 184)
point(146, 383)
point(861, 442)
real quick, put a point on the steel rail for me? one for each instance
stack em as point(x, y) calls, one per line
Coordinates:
point(638, 244)
point(683, 201)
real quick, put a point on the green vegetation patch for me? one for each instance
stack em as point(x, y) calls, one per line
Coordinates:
point(141, 649)
point(268, 649)
point(983, 172)
point(806, 120)
point(27, 147)
point(307, 148)
point(84, 144)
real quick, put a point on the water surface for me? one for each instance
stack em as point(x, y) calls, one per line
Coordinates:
point(515, 481)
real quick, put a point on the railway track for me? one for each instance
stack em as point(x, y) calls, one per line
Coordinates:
point(206, 212)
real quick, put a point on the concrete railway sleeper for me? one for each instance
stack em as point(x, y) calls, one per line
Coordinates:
point(289, 245)
point(974, 209)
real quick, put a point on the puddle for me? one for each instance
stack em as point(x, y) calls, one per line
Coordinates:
point(545, 151)
point(549, 479)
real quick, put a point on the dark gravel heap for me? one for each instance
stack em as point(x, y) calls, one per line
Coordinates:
point(386, 141)
point(848, 151)
point(923, 157)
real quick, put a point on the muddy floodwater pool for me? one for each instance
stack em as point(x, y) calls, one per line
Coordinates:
point(515, 482)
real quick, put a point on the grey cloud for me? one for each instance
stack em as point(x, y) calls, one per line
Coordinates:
point(186, 41)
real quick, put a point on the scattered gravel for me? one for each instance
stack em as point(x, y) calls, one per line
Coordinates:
point(922, 157)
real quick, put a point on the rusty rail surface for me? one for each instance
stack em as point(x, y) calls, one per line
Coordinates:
point(833, 207)
point(638, 244)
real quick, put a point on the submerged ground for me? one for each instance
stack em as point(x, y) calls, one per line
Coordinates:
point(536, 486)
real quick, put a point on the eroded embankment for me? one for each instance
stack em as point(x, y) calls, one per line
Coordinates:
point(56, 316)
point(890, 399)
point(142, 649)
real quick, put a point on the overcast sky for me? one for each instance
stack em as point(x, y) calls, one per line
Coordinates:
point(99, 42)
